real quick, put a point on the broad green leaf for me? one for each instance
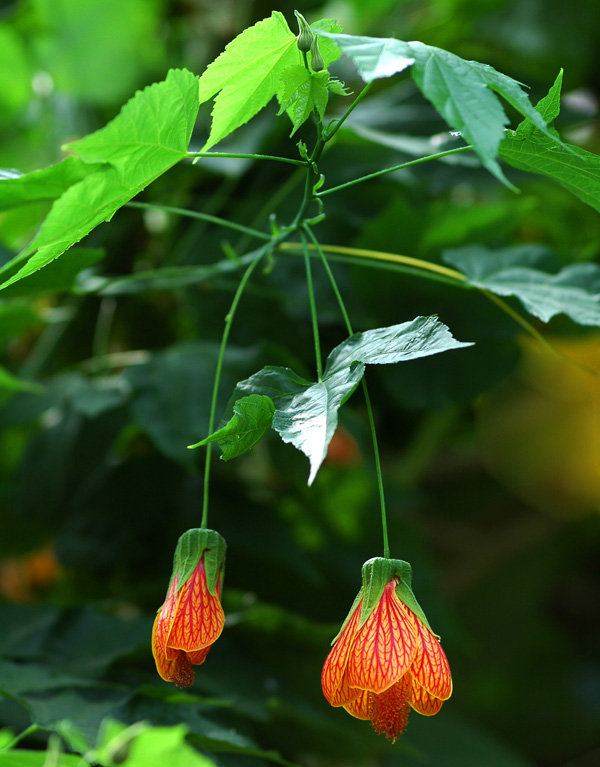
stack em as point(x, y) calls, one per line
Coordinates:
point(40, 185)
point(252, 418)
point(147, 746)
point(149, 136)
point(529, 149)
point(246, 75)
point(306, 414)
point(301, 92)
point(574, 291)
point(463, 92)
point(409, 340)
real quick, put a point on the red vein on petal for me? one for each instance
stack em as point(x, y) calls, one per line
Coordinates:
point(385, 646)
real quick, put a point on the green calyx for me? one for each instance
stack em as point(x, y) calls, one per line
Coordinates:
point(306, 36)
point(191, 547)
point(376, 574)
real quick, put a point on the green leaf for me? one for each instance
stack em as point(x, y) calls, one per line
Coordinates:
point(40, 185)
point(306, 414)
point(327, 48)
point(252, 418)
point(148, 747)
point(548, 108)
point(573, 291)
point(149, 136)
point(24, 758)
point(246, 75)
point(409, 340)
point(463, 92)
point(301, 92)
point(530, 150)
point(11, 383)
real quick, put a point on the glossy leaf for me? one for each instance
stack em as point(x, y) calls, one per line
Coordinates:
point(463, 92)
point(306, 414)
point(150, 135)
point(409, 340)
point(574, 291)
point(252, 418)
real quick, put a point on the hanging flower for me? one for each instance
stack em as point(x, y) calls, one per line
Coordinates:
point(386, 659)
point(191, 618)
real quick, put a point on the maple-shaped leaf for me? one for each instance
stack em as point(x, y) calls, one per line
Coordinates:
point(246, 75)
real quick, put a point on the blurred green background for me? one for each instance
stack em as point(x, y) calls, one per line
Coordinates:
point(490, 455)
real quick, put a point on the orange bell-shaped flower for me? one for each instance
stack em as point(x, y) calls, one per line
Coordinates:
point(191, 618)
point(386, 660)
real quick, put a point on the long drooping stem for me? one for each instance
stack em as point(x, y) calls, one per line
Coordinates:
point(215, 392)
point(377, 459)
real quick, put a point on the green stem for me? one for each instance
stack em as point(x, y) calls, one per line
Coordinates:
point(340, 300)
point(311, 178)
point(313, 307)
point(403, 165)
point(335, 125)
point(202, 217)
point(242, 156)
point(213, 403)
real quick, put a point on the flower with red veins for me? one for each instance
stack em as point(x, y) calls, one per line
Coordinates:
point(386, 659)
point(191, 618)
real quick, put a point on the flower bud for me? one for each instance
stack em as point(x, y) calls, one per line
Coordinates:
point(316, 60)
point(191, 618)
point(305, 38)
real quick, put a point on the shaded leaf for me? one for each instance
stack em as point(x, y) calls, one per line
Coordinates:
point(12, 383)
point(150, 135)
point(574, 291)
point(252, 418)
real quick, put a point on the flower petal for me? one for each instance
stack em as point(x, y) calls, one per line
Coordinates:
point(424, 702)
point(164, 666)
point(385, 646)
point(359, 707)
point(430, 666)
point(333, 677)
point(199, 617)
